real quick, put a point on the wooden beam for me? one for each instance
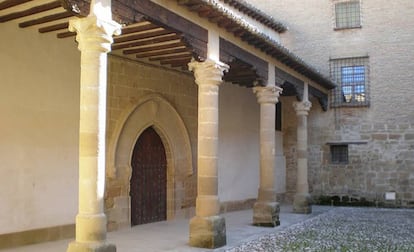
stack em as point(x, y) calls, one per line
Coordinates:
point(168, 57)
point(146, 41)
point(141, 28)
point(55, 27)
point(45, 19)
point(175, 61)
point(163, 52)
point(170, 20)
point(65, 34)
point(11, 3)
point(142, 36)
point(154, 48)
point(232, 51)
point(31, 11)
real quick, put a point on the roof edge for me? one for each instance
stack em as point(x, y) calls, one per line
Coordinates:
point(259, 15)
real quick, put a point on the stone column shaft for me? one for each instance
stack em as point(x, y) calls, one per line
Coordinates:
point(207, 228)
point(301, 203)
point(266, 209)
point(94, 36)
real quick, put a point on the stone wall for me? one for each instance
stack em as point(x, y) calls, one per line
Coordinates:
point(128, 83)
point(385, 161)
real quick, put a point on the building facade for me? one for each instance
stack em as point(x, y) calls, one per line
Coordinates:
point(192, 99)
point(362, 147)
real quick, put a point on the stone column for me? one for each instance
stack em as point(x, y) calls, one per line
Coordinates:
point(266, 209)
point(302, 200)
point(207, 228)
point(94, 35)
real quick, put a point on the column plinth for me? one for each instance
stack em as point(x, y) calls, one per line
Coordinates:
point(94, 36)
point(207, 228)
point(302, 199)
point(266, 209)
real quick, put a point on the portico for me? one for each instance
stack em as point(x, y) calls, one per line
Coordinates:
point(206, 50)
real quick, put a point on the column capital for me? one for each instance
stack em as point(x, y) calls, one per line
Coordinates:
point(267, 94)
point(94, 33)
point(209, 72)
point(302, 108)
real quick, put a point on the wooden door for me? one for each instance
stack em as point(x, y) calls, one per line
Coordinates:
point(148, 189)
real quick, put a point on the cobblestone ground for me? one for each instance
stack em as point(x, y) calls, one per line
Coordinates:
point(343, 229)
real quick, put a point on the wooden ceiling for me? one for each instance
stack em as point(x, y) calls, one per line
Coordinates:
point(154, 35)
point(142, 41)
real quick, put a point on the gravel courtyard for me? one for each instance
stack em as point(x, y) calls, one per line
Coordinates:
point(343, 229)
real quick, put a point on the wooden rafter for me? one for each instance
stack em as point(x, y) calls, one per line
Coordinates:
point(31, 11)
point(142, 36)
point(11, 3)
point(143, 42)
point(45, 19)
point(175, 61)
point(162, 52)
point(134, 29)
point(55, 27)
point(168, 57)
point(154, 48)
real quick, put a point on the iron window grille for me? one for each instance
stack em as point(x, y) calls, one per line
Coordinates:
point(339, 154)
point(352, 77)
point(347, 15)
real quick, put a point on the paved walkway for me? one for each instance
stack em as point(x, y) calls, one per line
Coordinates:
point(173, 235)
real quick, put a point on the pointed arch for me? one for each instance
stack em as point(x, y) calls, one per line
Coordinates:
point(152, 110)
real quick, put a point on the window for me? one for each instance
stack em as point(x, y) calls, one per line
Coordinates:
point(351, 75)
point(347, 15)
point(339, 154)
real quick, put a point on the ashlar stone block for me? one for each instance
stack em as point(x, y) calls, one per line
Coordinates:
point(207, 232)
point(302, 203)
point(91, 247)
point(266, 214)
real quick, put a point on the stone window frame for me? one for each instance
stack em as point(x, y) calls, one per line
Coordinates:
point(349, 18)
point(352, 74)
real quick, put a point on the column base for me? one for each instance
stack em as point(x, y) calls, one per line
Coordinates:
point(302, 204)
point(266, 214)
point(90, 247)
point(208, 232)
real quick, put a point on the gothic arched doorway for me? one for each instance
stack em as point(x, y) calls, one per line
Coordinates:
point(148, 184)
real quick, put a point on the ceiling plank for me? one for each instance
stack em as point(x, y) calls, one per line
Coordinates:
point(11, 3)
point(45, 19)
point(31, 11)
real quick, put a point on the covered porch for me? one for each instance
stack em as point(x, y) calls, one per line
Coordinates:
point(173, 235)
point(212, 45)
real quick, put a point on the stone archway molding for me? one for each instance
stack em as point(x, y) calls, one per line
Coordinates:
point(151, 110)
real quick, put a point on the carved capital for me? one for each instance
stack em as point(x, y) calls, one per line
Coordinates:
point(267, 94)
point(302, 108)
point(94, 34)
point(208, 72)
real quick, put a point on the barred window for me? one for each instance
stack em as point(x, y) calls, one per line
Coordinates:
point(339, 154)
point(347, 15)
point(351, 74)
